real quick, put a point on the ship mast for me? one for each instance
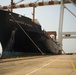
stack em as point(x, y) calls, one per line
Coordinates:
point(11, 5)
point(34, 6)
point(33, 12)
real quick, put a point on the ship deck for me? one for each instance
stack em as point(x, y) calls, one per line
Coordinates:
point(39, 65)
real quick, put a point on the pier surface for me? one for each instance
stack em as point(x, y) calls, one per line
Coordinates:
point(39, 65)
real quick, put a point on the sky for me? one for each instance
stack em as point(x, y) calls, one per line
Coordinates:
point(48, 16)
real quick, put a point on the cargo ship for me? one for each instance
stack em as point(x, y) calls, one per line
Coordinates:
point(20, 36)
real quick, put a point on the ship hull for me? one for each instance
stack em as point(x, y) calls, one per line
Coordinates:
point(19, 36)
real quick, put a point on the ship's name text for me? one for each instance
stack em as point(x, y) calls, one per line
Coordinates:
point(20, 22)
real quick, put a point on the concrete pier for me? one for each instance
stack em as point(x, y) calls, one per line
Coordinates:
point(39, 65)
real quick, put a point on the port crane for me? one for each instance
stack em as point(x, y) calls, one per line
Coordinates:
point(61, 34)
point(43, 3)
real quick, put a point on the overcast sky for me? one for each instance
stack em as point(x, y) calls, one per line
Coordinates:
point(48, 16)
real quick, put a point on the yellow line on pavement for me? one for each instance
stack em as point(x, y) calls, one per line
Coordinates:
point(37, 69)
point(73, 66)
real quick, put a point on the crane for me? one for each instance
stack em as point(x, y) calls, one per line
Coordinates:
point(43, 3)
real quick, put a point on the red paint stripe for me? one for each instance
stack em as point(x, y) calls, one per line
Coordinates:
point(22, 5)
point(41, 3)
point(14, 6)
point(4, 7)
point(31, 4)
point(51, 2)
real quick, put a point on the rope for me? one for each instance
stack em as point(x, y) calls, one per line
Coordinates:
point(27, 34)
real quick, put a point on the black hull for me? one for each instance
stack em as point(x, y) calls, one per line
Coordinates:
point(20, 36)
